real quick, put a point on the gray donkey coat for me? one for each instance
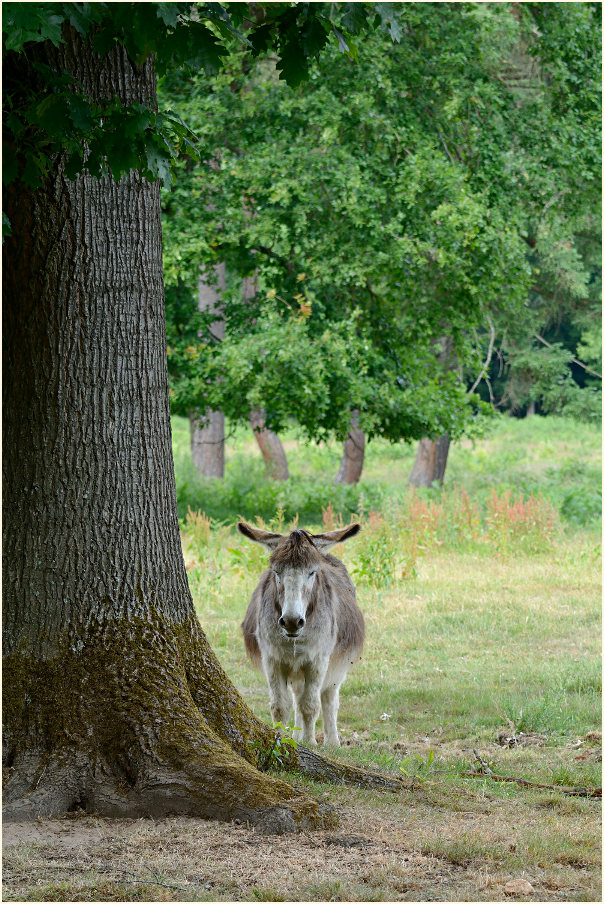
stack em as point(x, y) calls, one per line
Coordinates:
point(304, 627)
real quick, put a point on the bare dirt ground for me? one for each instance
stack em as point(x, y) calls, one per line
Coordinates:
point(415, 846)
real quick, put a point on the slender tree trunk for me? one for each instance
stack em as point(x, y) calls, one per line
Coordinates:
point(113, 698)
point(530, 411)
point(353, 454)
point(271, 447)
point(430, 462)
point(207, 442)
point(431, 457)
point(207, 429)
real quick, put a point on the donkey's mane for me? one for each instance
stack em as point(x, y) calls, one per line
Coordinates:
point(296, 551)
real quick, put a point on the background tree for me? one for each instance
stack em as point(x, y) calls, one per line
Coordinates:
point(113, 699)
point(207, 428)
point(408, 189)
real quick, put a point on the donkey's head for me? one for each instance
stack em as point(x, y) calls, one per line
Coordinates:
point(295, 561)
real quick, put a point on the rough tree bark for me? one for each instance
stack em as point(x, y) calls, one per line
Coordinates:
point(207, 429)
point(271, 447)
point(113, 698)
point(430, 462)
point(353, 453)
point(273, 453)
point(432, 454)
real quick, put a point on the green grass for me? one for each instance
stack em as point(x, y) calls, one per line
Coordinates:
point(482, 610)
point(483, 613)
point(551, 457)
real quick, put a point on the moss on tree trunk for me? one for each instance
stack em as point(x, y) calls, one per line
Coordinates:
point(138, 718)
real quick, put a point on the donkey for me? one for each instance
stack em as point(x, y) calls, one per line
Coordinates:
point(303, 626)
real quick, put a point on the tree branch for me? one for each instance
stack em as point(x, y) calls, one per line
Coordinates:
point(574, 360)
point(270, 253)
point(488, 358)
point(486, 770)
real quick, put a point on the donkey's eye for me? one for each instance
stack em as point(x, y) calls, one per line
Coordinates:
point(312, 574)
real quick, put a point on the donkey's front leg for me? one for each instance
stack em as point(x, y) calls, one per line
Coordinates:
point(309, 703)
point(330, 701)
point(281, 703)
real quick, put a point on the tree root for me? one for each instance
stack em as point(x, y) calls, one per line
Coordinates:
point(321, 769)
point(117, 729)
point(143, 721)
point(485, 770)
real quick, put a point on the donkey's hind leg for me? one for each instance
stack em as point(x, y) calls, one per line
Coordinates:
point(330, 701)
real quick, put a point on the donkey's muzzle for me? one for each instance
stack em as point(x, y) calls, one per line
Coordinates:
point(292, 625)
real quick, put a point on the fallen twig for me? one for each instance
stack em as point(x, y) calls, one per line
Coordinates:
point(102, 870)
point(486, 770)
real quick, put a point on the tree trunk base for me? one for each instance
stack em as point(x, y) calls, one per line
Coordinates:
point(120, 729)
point(430, 462)
point(271, 447)
point(207, 443)
point(142, 721)
point(353, 453)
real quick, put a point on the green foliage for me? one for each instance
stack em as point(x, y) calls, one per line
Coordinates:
point(378, 554)
point(318, 370)
point(276, 755)
point(420, 765)
point(46, 115)
point(426, 188)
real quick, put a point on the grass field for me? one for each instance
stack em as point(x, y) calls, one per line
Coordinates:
point(482, 604)
point(551, 457)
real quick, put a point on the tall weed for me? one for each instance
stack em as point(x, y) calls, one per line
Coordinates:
point(513, 522)
point(379, 557)
point(198, 531)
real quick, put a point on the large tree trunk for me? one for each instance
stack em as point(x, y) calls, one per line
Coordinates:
point(353, 453)
point(271, 447)
point(430, 462)
point(207, 429)
point(113, 699)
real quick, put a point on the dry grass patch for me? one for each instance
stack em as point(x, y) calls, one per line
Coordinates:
point(434, 843)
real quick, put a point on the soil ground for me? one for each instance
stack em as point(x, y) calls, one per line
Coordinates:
point(435, 842)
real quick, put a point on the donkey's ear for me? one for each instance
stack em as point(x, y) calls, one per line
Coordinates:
point(264, 537)
point(323, 542)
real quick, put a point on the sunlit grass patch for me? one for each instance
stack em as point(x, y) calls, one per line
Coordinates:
point(483, 615)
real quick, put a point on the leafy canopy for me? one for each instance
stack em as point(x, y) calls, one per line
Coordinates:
point(47, 113)
point(426, 189)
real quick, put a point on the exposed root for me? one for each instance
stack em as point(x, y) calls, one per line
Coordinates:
point(158, 731)
point(485, 769)
point(321, 769)
point(206, 781)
